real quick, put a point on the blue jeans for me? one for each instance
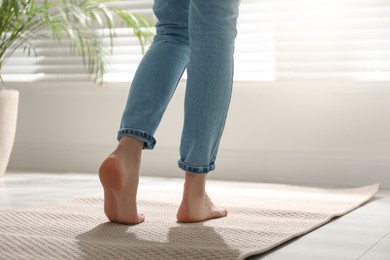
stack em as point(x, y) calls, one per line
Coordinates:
point(198, 35)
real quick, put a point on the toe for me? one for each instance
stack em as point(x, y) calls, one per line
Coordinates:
point(141, 217)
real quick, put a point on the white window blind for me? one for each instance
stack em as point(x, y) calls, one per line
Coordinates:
point(332, 40)
point(278, 40)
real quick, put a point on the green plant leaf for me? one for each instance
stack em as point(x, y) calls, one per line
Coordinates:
point(78, 23)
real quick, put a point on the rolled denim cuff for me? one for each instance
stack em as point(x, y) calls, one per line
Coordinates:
point(149, 141)
point(195, 169)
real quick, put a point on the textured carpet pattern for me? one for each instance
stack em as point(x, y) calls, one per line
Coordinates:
point(78, 229)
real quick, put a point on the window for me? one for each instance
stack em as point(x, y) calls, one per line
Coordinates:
point(332, 40)
point(278, 40)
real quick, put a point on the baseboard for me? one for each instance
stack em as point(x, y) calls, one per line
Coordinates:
point(291, 167)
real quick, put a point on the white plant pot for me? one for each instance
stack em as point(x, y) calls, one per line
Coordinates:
point(9, 100)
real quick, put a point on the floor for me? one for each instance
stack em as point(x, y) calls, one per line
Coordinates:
point(362, 234)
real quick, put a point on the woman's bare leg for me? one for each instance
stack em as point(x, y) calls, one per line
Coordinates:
point(119, 175)
point(196, 205)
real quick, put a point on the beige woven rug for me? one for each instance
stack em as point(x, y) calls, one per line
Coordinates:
point(77, 229)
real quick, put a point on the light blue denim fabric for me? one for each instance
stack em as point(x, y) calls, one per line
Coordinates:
point(198, 35)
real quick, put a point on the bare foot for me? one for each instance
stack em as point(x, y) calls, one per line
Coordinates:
point(196, 205)
point(119, 175)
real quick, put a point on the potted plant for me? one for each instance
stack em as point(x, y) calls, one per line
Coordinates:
point(82, 24)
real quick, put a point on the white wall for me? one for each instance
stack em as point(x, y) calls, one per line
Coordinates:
point(325, 133)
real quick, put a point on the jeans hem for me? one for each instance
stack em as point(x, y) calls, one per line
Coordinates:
point(195, 169)
point(149, 140)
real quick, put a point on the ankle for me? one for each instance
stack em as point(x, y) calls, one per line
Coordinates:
point(129, 147)
point(130, 142)
point(194, 186)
